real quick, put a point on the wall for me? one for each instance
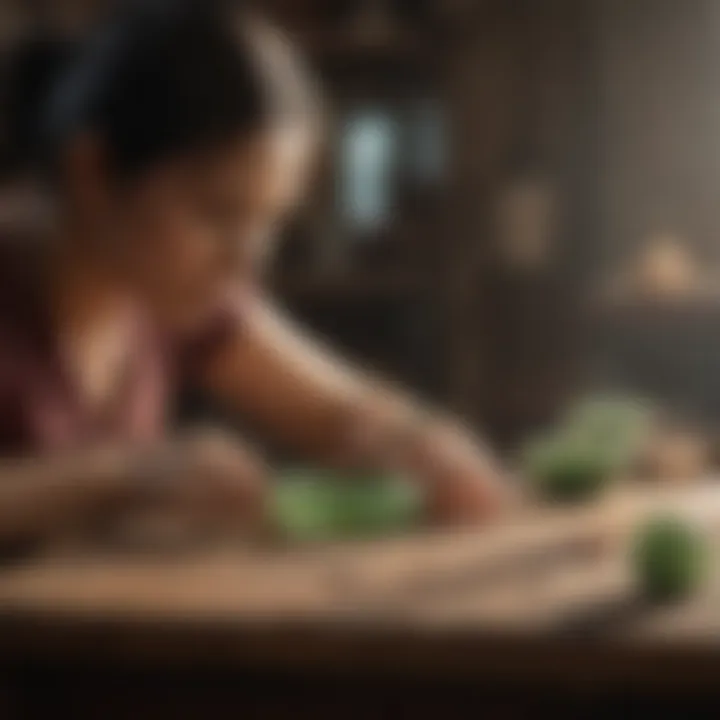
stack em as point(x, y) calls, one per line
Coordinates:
point(659, 126)
point(660, 122)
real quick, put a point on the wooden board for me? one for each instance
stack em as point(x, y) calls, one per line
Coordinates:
point(551, 548)
point(544, 577)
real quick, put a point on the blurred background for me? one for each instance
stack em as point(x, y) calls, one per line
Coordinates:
point(518, 207)
point(519, 198)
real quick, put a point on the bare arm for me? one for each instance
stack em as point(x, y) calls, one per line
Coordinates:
point(298, 391)
point(203, 477)
point(41, 498)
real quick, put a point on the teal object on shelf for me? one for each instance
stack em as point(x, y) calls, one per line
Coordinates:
point(322, 505)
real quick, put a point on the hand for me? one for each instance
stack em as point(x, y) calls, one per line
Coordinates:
point(208, 477)
point(464, 483)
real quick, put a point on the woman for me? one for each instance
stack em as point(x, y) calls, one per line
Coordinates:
point(172, 149)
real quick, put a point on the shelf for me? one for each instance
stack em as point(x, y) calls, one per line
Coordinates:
point(697, 303)
point(365, 286)
point(403, 47)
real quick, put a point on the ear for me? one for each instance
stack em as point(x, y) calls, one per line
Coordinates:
point(86, 173)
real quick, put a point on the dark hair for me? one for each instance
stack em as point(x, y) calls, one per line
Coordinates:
point(30, 70)
point(164, 77)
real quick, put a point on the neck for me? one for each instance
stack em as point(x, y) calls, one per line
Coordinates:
point(92, 315)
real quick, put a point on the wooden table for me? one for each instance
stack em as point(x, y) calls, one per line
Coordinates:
point(542, 605)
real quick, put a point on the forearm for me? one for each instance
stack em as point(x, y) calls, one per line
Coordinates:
point(40, 498)
point(287, 384)
point(391, 428)
point(311, 401)
point(380, 424)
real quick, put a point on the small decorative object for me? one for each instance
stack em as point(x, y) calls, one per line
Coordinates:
point(620, 426)
point(666, 269)
point(669, 559)
point(369, 158)
point(564, 471)
point(525, 224)
point(597, 442)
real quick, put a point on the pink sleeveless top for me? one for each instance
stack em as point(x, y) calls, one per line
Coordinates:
point(41, 412)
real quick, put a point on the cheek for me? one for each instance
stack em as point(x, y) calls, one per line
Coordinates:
point(171, 254)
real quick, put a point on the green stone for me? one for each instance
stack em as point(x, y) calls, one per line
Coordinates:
point(617, 426)
point(670, 558)
point(563, 469)
point(311, 504)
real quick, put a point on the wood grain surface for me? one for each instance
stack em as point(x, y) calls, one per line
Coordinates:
point(552, 580)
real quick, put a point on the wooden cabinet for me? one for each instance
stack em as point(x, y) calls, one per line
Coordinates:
point(521, 94)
